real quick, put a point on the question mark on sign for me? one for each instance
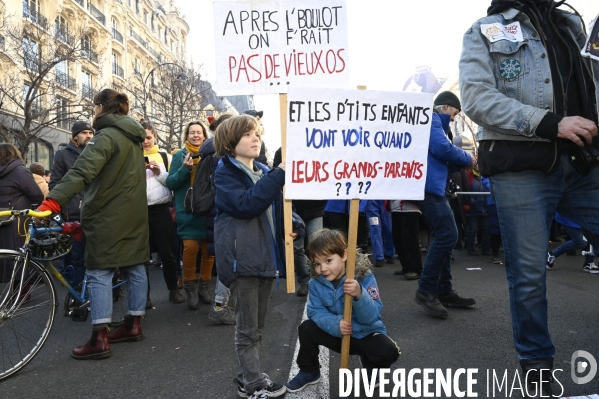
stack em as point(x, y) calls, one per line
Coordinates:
point(361, 185)
point(368, 184)
point(338, 187)
point(348, 185)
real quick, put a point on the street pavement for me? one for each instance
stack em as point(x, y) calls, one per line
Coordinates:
point(185, 355)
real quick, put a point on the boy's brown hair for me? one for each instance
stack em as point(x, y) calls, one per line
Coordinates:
point(229, 133)
point(326, 242)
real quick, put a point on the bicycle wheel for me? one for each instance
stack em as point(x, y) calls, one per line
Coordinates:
point(26, 318)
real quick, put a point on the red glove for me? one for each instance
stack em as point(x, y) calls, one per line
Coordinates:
point(49, 205)
point(466, 207)
point(73, 229)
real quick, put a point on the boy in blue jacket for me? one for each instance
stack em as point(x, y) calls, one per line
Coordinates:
point(325, 325)
point(248, 240)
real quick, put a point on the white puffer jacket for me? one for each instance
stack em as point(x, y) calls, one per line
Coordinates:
point(156, 188)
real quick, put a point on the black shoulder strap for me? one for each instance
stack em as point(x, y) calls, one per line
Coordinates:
point(164, 159)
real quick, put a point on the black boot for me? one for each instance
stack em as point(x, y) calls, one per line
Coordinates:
point(430, 304)
point(538, 377)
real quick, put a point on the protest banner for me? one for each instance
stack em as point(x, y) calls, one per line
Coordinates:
point(265, 47)
point(357, 144)
point(591, 47)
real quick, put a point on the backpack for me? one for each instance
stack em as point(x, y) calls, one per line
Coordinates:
point(199, 198)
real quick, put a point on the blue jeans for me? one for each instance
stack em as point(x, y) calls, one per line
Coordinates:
point(436, 272)
point(379, 221)
point(100, 292)
point(252, 296)
point(302, 263)
point(577, 241)
point(473, 223)
point(526, 202)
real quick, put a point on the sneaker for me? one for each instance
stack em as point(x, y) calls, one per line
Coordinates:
point(550, 261)
point(590, 268)
point(455, 300)
point(302, 380)
point(271, 390)
point(242, 393)
point(379, 263)
point(222, 314)
point(302, 290)
point(399, 273)
point(496, 259)
point(472, 252)
point(389, 260)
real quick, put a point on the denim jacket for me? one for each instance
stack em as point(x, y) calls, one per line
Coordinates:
point(506, 87)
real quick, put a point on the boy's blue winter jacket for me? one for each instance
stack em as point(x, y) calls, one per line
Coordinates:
point(441, 153)
point(325, 303)
point(342, 206)
point(244, 243)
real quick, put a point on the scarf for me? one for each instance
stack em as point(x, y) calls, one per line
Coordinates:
point(154, 155)
point(192, 149)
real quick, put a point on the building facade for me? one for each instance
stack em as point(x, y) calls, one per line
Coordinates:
point(105, 43)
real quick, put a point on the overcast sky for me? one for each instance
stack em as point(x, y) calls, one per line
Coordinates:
point(387, 41)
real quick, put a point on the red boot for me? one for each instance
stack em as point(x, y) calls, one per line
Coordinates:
point(129, 331)
point(97, 347)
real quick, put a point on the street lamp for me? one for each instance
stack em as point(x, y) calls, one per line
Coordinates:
point(181, 77)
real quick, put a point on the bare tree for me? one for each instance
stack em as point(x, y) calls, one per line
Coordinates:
point(37, 92)
point(168, 95)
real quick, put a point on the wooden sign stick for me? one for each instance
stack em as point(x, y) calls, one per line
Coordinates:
point(289, 253)
point(350, 269)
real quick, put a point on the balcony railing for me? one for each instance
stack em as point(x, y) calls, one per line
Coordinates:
point(90, 55)
point(34, 16)
point(116, 35)
point(2, 43)
point(96, 13)
point(87, 92)
point(63, 35)
point(31, 62)
point(154, 53)
point(139, 39)
point(64, 80)
point(117, 70)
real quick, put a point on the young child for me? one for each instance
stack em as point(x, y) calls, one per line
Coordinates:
point(248, 239)
point(328, 252)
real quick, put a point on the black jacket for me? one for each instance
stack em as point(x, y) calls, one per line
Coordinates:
point(63, 161)
point(18, 190)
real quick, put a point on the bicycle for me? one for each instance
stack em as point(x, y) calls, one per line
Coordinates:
point(28, 297)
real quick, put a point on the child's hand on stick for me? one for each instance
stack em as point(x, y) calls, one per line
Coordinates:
point(345, 327)
point(352, 288)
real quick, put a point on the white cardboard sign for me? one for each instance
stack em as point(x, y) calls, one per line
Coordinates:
point(265, 47)
point(356, 144)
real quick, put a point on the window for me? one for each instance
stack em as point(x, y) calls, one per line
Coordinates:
point(115, 59)
point(115, 25)
point(86, 44)
point(136, 66)
point(32, 7)
point(36, 107)
point(61, 28)
point(159, 33)
point(62, 113)
point(145, 17)
point(86, 85)
point(41, 152)
point(31, 54)
point(116, 66)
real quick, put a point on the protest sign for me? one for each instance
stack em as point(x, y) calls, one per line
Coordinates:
point(265, 47)
point(591, 47)
point(357, 144)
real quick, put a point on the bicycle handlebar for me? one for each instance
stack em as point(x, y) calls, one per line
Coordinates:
point(26, 212)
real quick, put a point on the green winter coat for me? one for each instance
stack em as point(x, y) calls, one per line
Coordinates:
point(189, 227)
point(114, 213)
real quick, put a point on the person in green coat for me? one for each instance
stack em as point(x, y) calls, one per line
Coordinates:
point(191, 229)
point(114, 215)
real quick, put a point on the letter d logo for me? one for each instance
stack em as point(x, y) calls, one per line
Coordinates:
point(582, 366)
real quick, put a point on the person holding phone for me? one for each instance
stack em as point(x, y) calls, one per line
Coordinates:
point(191, 229)
point(159, 215)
